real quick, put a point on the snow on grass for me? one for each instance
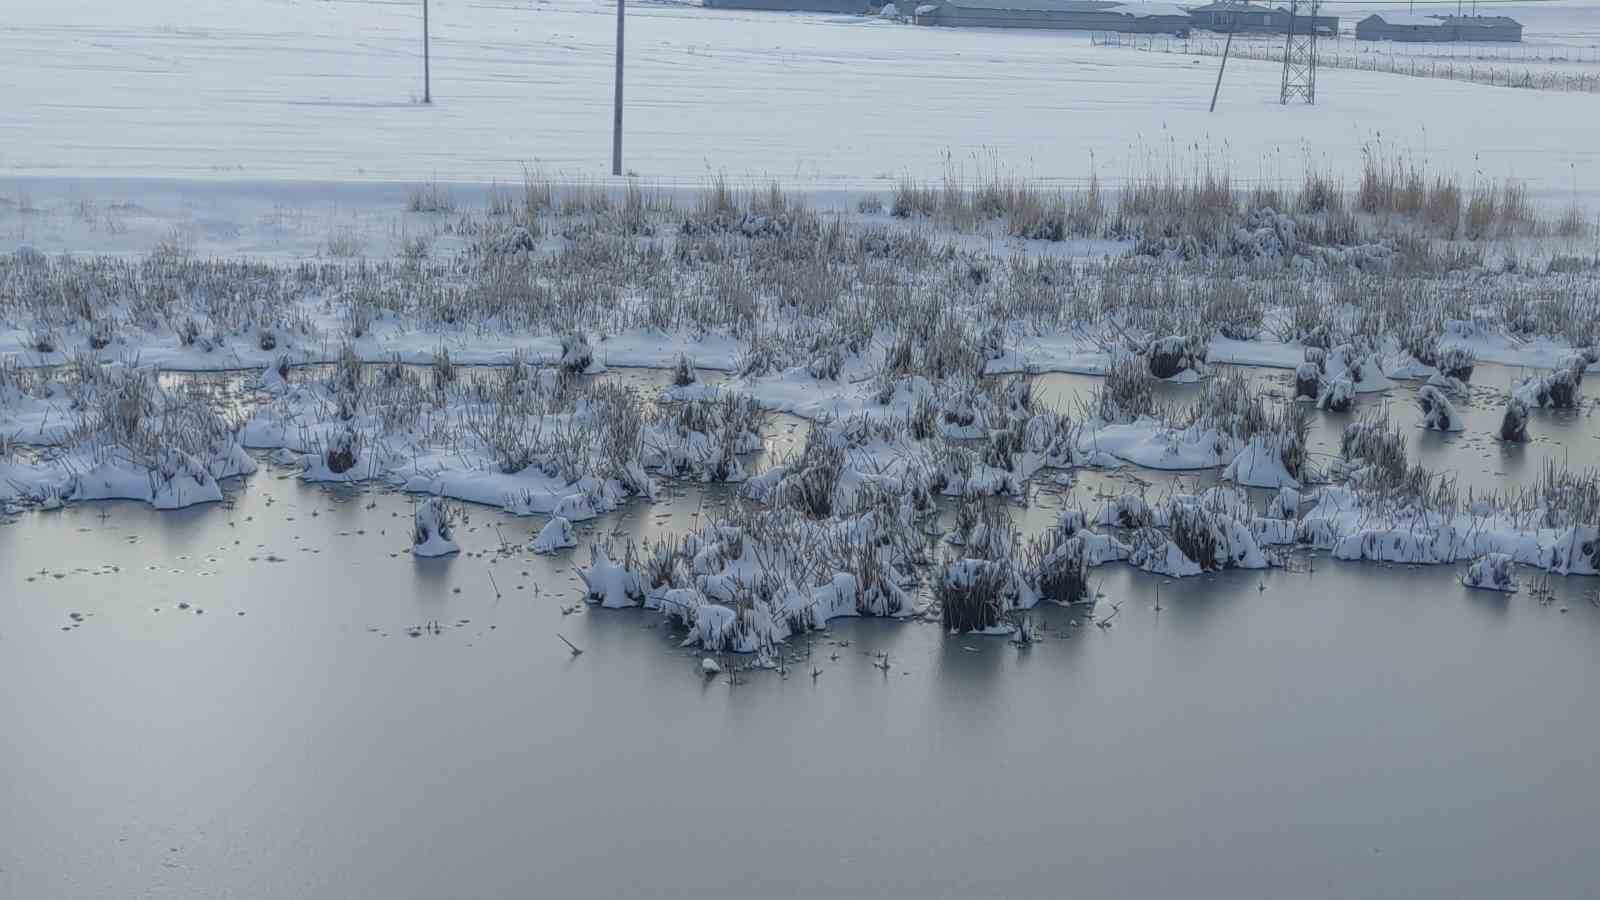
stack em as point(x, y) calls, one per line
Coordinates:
point(124, 437)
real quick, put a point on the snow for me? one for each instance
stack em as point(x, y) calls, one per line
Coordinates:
point(433, 535)
point(1492, 572)
point(1260, 465)
point(557, 534)
point(1409, 20)
point(328, 92)
point(1146, 10)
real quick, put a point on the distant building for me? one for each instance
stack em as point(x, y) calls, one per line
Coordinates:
point(1486, 28)
point(1251, 18)
point(846, 7)
point(1072, 15)
point(1437, 29)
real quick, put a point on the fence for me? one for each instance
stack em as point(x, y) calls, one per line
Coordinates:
point(1338, 54)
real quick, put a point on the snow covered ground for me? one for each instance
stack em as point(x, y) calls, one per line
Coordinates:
point(326, 91)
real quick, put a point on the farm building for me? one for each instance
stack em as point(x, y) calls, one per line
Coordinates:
point(1486, 28)
point(1072, 15)
point(1252, 18)
point(1437, 29)
point(847, 7)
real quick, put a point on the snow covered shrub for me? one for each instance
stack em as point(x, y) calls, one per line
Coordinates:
point(1457, 362)
point(1057, 567)
point(1338, 395)
point(341, 452)
point(444, 369)
point(1169, 357)
point(1284, 505)
point(1556, 390)
point(1127, 393)
point(518, 239)
point(1438, 413)
point(1197, 536)
point(557, 534)
point(266, 340)
point(188, 332)
point(683, 371)
point(1003, 445)
point(973, 594)
point(1308, 381)
point(358, 316)
point(1127, 511)
point(433, 534)
point(347, 370)
point(922, 419)
point(1376, 444)
point(758, 359)
point(812, 481)
point(576, 354)
point(101, 333)
point(826, 365)
point(1492, 572)
point(1514, 424)
point(992, 535)
point(610, 584)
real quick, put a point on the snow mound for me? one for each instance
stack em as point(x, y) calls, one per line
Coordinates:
point(557, 534)
point(433, 535)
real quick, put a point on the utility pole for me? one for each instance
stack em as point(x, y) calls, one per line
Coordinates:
point(1232, 22)
point(427, 76)
point(616, 112)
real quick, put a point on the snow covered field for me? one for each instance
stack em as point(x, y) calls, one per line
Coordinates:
point(325, 91)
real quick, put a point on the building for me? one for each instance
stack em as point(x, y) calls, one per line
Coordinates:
point(1437, 29)
point(845, 7)
point(1251, 18)
point(1486, 28)
point(1072, 15)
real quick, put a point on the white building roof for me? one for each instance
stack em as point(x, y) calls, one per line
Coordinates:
point(1408, 19)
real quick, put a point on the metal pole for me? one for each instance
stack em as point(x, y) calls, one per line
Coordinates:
point(616, 112)
point(1222, 68)
point(427, 76)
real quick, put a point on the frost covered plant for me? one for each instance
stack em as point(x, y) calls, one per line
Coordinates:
point(1556, 390)
point(826, 366)
point(1128, 511)
point(1196, 534)
point(974, 594)
point(432, 532)
point(1376, 444)
point(266, 339)
point(1169, 357)
point(444, 369)
point(576, 354)
point(1338, 395)
point(1438, 413)
point(557, 534)
point(810, 486)
point(1457, 362)
point(683, 371)
point(1514, 423)
point(341, 452)
point(1057, 567)
point(1492, 572)
point(1308, 381)
point(1127, 393)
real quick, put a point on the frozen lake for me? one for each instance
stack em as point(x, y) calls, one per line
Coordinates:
point(1344, 729)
